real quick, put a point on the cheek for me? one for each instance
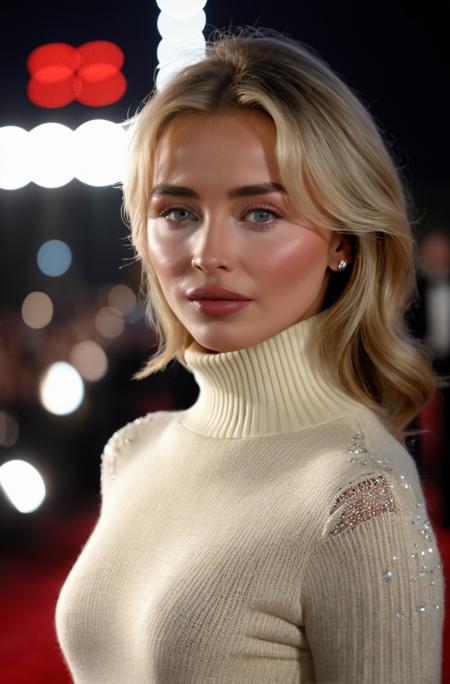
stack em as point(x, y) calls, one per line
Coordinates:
point(293, 261)
point(164, 254)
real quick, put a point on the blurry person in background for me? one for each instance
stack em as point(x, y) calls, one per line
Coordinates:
point(432, 324)
point(434, 287)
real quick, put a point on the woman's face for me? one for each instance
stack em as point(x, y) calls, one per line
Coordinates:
point(214, 233)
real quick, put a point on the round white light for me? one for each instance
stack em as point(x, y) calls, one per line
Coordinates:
point(51, 155)
point(100, 152)
point(180, 8)
point(61, 389)
point(191, 48)
point(22, 484)
point(14, 158)
point(172, 69)
point(173, 29)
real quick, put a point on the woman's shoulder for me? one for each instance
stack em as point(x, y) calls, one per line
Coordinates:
point(373, 475)
point(373, 445)
point(126, 442)
point(357, 441)
point(136, 430)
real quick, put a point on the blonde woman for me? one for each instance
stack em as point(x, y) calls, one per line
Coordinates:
point(275, 531)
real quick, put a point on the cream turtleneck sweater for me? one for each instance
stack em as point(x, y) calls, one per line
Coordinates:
point(273, 532)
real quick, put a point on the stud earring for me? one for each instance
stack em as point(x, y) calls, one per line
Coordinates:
point(342, 264)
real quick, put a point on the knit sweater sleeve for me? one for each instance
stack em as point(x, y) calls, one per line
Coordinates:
point(373, 591)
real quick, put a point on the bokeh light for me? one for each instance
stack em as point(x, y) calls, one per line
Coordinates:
point(180, 9)
point(175, 29)
point(54, 258)
point(37, 310)
point(14, 156)
point(170, 50)
point(51, 155)
point(100, 152)
point(109, 322)
point(122, 298)
point(135, 314)
point(90, 74)
point(61, 389)
point(89, 359)
point(174, 56)
point(23, 485)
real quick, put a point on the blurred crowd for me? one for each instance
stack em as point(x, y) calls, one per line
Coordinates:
point(430, 321)
point(25, 352)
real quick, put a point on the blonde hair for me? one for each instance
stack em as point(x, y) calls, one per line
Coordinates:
point(336, 168)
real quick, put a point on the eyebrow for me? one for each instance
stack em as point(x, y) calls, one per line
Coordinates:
point(242, 191)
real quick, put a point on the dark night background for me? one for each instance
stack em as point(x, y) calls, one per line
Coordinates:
point(393, 57)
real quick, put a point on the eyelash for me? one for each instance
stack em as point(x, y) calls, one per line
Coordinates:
point(262, 207)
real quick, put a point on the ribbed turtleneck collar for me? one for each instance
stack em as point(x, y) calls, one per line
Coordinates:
point(275, 386)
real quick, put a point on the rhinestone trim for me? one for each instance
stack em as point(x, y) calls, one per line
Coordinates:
point(120, 439)
point(362, 501)
point(372, 497)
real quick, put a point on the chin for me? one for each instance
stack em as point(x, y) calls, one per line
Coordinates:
point(218, 344)
point(215, 348)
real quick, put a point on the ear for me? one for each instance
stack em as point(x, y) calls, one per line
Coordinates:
point(340, 250)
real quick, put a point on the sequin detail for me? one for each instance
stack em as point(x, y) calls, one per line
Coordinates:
point(418, 611)
point(362, 501)
point(361, 506)
point(358, 447)
point(121, 438)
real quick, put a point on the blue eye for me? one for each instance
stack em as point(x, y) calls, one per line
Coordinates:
point(262, 210)
point(168, 211)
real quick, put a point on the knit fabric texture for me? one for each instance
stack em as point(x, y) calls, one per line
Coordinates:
point(275, 531)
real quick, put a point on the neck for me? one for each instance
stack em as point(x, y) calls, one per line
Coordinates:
point(274, 387)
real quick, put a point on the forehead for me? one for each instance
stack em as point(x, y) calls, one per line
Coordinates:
point(235, 139)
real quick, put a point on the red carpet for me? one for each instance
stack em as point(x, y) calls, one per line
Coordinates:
point(29, 653)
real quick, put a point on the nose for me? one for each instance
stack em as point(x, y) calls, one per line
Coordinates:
point(212, 247)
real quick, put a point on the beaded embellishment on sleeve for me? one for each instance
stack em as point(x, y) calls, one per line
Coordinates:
point(362, 501)
point(372, 496)
point(116, 443)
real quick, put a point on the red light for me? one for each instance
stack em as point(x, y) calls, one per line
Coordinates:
point(90, 74)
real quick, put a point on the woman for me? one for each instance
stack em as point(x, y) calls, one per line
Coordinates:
point(276, 531)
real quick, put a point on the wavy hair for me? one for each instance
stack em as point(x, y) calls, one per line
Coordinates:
point(335, 166)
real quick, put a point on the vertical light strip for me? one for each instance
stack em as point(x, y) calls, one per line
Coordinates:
point(180, 25)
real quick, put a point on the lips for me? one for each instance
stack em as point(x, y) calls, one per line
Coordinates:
point(216, 293)
point(219, 307)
